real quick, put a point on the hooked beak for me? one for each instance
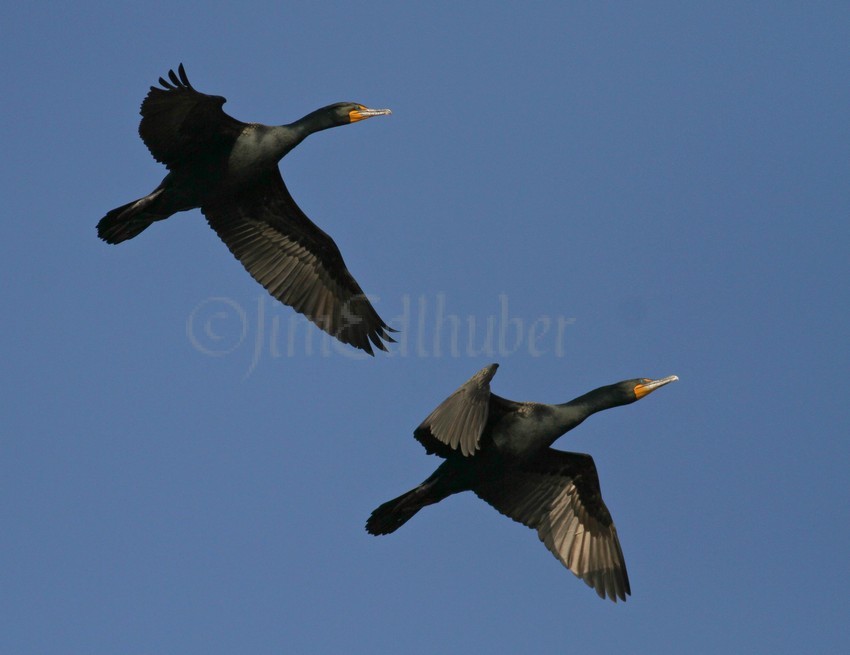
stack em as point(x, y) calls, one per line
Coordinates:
point(364, 112)
point(649, 386)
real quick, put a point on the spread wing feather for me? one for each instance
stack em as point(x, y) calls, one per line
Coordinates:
point(295, 260)
point(457, 423)
point(180, 125)
point(558, 495)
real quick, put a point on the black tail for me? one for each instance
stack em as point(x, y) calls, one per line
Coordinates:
point(393, 514)
point(128, 220)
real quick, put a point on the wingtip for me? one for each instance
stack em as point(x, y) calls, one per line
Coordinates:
point(183, 77)
point(377, 340)
point(486, 374)
point(175, 81)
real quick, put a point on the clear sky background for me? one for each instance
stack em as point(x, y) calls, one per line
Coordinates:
point(582, 192)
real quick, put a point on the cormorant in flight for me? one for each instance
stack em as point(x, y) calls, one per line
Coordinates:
point(500, 450)
point(229, 169)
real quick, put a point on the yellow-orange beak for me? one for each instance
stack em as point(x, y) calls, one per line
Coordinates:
point(364, 112)
point(649, 386)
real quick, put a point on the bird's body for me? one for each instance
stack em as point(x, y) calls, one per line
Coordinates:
point(501, 450)
point(229, 169)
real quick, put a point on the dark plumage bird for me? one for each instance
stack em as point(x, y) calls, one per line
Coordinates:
point(229, 169)
point(500, 450)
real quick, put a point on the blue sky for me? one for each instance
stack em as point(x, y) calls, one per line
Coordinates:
point(582, 192)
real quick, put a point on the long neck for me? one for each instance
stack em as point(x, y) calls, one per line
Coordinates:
point(315, 121)
point(571, 414)
point(283, 138)
point(263, 144)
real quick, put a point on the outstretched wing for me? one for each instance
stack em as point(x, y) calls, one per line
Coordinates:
point(459, 420)
point(558, 495)
point(180, 124)
point(295, 261)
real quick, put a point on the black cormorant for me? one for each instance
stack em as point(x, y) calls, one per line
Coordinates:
point(230, 170)
point(500, 450)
